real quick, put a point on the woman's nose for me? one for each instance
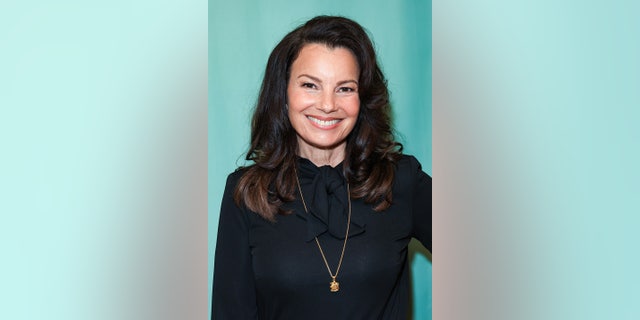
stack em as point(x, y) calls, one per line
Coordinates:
point(328, 103)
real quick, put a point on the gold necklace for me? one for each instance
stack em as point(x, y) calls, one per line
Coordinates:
point(334, 286)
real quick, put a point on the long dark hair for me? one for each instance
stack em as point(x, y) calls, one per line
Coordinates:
point(371, 150)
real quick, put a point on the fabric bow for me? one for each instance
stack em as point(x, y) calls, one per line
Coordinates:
point(325, 192)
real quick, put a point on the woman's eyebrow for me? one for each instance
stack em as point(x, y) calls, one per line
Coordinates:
point(347, 81)
point(310, 76)
point(320, 81)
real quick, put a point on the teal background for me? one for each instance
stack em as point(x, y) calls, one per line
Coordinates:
point(103, 204)
point(241, 36)
point(536, 153)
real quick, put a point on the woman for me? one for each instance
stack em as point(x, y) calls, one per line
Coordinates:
point(318, 226)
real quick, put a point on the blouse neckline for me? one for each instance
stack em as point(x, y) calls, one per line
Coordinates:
point(324, 190)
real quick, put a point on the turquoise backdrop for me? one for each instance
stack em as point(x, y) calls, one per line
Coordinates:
point(241, 36)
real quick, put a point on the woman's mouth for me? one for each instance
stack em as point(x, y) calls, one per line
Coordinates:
point(323, 123)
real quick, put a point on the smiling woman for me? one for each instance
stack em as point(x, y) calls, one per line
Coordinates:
point(318, 226)
point(323, 102)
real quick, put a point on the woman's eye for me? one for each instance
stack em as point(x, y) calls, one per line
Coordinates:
point(308, 85)
point(346, 89)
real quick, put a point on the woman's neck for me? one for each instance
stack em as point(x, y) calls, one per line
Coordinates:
point(323, 157)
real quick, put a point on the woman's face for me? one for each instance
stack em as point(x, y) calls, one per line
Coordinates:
point(323, 96)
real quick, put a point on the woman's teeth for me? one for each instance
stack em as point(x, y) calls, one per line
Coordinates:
point(324, 123)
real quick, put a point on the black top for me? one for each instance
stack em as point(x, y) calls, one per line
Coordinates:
point(267, 270)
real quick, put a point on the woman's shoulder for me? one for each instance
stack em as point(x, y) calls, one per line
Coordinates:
point(234, 177)
point(409, 162)
point(238, 172)
point(409, 177)
point(409, 168)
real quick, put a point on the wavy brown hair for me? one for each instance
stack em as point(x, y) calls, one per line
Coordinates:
point(371, 150)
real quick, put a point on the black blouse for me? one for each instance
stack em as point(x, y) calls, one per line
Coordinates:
point(267, 270)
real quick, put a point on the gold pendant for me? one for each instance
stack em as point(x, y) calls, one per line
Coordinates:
point(334, 285)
